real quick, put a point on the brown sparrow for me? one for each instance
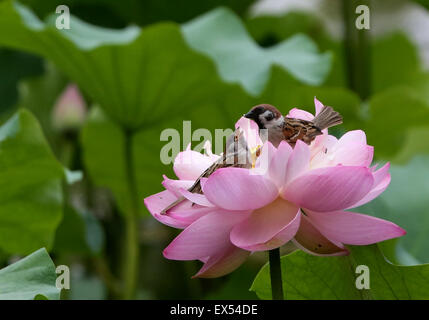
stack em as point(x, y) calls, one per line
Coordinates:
point(279, 128)
point(290, 129)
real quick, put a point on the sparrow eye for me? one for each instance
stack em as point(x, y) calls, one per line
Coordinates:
point(269, 117)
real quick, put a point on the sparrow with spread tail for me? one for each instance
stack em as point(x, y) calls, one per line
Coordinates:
point(279, 128)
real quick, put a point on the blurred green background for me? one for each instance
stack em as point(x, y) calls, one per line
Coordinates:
point(208, 62)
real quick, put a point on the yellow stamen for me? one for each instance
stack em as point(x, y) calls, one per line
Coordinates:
point(254, 154)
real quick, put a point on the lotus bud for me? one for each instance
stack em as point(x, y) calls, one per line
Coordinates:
point(70, 110)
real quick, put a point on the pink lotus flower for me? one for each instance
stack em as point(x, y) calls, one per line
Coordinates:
point(301, 197)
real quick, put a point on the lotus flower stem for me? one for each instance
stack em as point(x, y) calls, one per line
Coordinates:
point(276, 274)
point(357, 50)
point(130, 267)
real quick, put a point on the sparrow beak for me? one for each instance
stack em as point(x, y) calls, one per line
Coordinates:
point(251, 115)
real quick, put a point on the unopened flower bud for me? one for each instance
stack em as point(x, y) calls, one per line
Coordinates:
point(70, 110)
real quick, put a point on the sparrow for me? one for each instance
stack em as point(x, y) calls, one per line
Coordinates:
point(280, 128)
point(291, 130)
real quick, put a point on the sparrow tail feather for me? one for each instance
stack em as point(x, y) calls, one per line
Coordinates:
point(327, 118)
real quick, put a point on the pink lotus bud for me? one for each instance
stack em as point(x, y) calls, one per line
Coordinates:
point(70, 109)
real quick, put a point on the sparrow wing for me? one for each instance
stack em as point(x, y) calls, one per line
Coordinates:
point(235, 154)
point(307, 131)
point(298, 129)
point(229, 160)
